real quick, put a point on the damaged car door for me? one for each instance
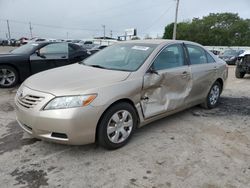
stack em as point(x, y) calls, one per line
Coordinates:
point(167, 83)
point(204, 70)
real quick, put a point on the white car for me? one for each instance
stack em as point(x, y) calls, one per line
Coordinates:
point(86, 44)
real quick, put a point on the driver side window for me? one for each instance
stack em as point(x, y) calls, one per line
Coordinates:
point(55, 48)
point(171, 57)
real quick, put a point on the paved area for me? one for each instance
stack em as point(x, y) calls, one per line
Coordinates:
point(193, 148)
point(6, 49)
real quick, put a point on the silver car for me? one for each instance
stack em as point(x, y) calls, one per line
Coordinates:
point(125, 86)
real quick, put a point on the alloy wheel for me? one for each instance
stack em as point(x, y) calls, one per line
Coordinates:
point(214, 94)
point(7, 77)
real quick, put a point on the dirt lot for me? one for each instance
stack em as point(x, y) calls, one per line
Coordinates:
point(194, 148)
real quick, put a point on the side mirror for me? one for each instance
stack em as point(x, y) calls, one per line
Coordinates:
point(39, 54)
point(151, 70)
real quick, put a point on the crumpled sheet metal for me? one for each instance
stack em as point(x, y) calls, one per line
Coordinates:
point(164, 92)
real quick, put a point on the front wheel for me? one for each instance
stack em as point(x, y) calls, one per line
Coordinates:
point(117, 126)
point(213, 96)
point(8, 76)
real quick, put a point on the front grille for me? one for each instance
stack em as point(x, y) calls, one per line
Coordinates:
point(29, 101)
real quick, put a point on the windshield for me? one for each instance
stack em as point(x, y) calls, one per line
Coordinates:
point(25, 49)
point(125, 57)
point(230, 53)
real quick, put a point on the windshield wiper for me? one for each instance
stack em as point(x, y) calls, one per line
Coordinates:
point(98, 66)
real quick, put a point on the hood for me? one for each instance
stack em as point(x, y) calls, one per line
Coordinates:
point(247, 52)
point(11, 56)
point(73, 79)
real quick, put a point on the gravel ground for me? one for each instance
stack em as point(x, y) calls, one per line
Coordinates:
point(193, 148)
point(5, 49)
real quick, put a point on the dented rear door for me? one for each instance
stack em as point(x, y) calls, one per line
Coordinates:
point(203, 73)
point(167, 88)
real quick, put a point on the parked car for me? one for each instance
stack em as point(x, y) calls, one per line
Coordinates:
point(127, 85)
point(76, 41)
point(13, 42)
point(243, 65)
point(32, 58)
point(215, 52)
point(96, 49)
point(86, 44)
point(231, 56)
point(4, 42)
point(23, 40)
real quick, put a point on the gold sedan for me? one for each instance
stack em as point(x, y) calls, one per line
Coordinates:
point(125, 86)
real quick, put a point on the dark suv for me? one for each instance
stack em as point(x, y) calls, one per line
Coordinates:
point(243, 65)
point(231, 56)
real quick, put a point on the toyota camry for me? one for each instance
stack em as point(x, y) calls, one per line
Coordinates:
point(106, 97)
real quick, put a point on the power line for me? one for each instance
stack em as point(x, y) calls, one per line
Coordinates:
point(156, 20)
point(53, 26)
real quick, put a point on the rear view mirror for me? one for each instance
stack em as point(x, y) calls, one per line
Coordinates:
point(151, 70)
point(39, 54)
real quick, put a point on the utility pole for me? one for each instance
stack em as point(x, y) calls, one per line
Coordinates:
point(111, 33)
point(175, 22)
point(8, 26)
point(31, 35)
point(104, 31)
point(67, 35)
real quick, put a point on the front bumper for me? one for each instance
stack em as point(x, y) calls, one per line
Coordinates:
point(231, 62)
point(76, 126)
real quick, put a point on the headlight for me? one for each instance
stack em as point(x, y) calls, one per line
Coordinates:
point(70, 102)
point(232, 58)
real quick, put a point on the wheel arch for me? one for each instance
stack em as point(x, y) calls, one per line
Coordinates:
point(14, 67)
point(125, 100)
point(220, 80)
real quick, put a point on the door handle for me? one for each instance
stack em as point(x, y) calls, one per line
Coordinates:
point(184, 74)
point(63, 57)
point(215, 68)
point(145, 98)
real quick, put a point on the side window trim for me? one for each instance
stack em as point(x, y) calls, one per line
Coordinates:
point(204, 51)
point(162, 49)
point(207, 54)
point(187, 58)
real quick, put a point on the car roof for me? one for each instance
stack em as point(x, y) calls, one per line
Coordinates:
point(159, 41)
point(48, 42)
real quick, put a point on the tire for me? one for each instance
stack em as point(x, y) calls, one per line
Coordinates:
point(8, 76)
point(117, 119)
point(213, 96)
point(238, 73)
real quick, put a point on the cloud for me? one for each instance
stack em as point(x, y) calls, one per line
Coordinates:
point(84, 18)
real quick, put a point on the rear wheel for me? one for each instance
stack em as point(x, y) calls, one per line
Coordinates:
point(239, 73)
point(117, 126)
point(8, 76)
point(213, 96)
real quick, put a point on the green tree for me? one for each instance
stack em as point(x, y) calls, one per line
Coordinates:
point(225, 29)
